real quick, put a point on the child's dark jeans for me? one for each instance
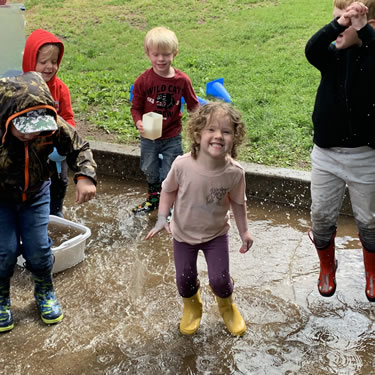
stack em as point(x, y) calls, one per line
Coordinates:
point(26, 222)
point(154, 167)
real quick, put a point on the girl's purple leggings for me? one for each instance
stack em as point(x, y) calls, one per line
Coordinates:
point(216, 253)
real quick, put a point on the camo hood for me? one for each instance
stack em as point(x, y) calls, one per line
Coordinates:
point(22, 94)
point(24, 166)
point(35, 121)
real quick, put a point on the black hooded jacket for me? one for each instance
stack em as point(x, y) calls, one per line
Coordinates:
point(344, 111)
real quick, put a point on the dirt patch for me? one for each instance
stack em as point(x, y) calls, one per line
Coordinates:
point(93, 133)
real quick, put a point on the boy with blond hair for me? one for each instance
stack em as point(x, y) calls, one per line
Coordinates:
point(160, 89)
point(344, 135)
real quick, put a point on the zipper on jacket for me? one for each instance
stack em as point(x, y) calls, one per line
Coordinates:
point(346, 83)
point(26, 172)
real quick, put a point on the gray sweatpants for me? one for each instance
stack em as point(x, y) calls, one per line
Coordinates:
point(332, 170)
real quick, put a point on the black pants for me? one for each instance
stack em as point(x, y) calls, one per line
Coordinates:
point(59, 184)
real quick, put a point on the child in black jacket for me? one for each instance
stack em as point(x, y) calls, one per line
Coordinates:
point(344, 134)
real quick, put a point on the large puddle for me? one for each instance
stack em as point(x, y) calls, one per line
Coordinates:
point(122, 307)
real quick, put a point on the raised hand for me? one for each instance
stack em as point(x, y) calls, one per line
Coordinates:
point(355, 15)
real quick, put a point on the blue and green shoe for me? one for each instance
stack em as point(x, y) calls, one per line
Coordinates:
point(6, 316)
point(45, 296)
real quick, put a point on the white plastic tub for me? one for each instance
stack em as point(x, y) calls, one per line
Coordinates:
point(70, 252)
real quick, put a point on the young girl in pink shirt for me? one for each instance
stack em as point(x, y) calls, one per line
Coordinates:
point(202, 186)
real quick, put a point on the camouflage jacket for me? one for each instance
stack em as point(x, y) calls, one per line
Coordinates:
point(24, 166)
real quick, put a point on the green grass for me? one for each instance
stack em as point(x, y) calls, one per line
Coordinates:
point(257, 46)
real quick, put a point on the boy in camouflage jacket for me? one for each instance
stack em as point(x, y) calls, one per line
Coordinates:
point(29, 130)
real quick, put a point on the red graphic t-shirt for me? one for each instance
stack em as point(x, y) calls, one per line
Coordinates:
point(153, 93)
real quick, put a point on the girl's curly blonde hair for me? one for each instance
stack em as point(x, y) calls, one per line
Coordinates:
point(203, 115)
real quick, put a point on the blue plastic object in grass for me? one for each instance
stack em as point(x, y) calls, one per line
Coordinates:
point(200, 100)
point(216, 88)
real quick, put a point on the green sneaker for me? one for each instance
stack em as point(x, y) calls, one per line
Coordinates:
point(152, 200)
point(150, 204)
point(45, 296)
point(6, 316)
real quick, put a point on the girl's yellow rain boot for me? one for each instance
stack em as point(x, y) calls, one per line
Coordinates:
point(232, 317)
point(191, 318)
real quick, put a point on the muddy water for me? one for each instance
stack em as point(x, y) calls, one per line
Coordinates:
point(122, 308)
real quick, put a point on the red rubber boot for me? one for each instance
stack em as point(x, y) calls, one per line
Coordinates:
point(369, 262)
point(328, 266)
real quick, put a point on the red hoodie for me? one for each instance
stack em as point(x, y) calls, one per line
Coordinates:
point(58, 88)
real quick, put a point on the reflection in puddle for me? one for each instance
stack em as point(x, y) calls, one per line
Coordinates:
point(122, 308)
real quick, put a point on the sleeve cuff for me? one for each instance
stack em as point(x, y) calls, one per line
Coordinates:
point(366, 34)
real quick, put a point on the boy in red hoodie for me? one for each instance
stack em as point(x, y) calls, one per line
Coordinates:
point(43, 53)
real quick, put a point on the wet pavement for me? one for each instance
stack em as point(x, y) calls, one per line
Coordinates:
point(122, 307)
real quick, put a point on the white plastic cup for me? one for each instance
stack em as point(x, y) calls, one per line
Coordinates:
point(152, 125)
